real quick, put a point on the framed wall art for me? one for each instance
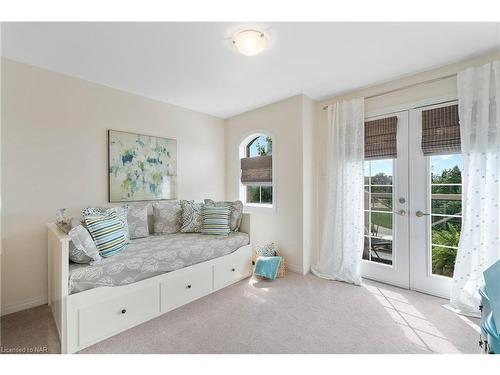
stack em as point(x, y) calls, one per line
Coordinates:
point(141, 167)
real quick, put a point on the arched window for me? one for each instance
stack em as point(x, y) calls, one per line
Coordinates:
point(256, 177)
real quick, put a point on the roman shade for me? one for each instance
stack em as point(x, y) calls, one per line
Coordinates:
point(441, 131)
point(257, 170)
point(380, 138)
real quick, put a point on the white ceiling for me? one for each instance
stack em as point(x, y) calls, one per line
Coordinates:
point(193, 65)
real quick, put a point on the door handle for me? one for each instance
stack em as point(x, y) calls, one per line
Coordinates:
point(400, 212)
point(420, 214)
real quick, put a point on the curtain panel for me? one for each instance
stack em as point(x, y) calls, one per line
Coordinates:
point(342, 237)
point(479, 247)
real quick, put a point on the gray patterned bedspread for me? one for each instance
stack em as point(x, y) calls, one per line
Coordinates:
point(151, 256)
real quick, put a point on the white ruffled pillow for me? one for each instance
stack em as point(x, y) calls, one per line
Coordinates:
point(83, 249)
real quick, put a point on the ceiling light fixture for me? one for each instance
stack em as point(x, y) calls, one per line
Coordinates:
point(250, 42)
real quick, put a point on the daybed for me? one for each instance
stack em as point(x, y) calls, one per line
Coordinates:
point(152, 276)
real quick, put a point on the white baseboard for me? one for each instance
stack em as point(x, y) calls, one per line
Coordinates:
point(28, 304)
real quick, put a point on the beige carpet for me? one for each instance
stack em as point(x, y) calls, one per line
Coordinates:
point(297, 314)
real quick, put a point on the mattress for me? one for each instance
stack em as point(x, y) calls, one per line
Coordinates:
point(151, 256)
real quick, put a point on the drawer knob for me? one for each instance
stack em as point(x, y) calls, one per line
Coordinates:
point(188, 286)
point(232, 269)
point(124, 311)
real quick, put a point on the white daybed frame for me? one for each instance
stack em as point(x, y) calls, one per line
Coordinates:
point(88, 317)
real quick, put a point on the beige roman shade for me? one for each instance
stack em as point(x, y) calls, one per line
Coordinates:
point(441, 131)
point(380, 138)
point(257, 170)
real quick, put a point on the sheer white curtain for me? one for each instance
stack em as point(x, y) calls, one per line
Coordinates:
point(479, 108)
point(342, 239)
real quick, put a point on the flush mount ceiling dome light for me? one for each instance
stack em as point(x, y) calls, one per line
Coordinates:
point(250, 42)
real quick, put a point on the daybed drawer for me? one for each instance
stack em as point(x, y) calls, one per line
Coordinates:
point(114, 315)
point(234, 267)
point(188, 286)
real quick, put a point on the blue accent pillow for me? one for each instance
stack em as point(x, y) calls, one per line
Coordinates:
point(267, 267)
point(107, 232)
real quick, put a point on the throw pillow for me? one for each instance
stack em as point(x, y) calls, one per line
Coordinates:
point(266, 250)
point(121, 212)
point(267, 267)
point(82, 249)
point(138, 220)
point(167, 217)
point(236, 212)
point(216, 220)
point(192, 221)
point(107, 232)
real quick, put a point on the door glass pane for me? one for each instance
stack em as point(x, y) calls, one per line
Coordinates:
point(446, 230)
point(446, 212)
point(446, 204)
point(381, 172)
point(381, 198)
point(378, 211)
point(381, 224)
point(443, 260)
point(381, 237)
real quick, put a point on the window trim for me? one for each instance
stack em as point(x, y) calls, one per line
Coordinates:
point(242, 153)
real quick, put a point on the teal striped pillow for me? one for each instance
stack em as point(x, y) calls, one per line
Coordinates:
point(108, 233)
point(216, 220)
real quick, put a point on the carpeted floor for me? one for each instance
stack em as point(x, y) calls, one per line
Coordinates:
point(297, 314)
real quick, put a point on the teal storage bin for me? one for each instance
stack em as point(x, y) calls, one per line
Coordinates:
point(492, 339)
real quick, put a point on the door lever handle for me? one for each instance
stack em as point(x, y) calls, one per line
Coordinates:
point(400, 212)
point(420, 214)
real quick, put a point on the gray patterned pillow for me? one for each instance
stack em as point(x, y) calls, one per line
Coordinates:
point(236, 212)
point(268, 250)
point(167, 217)
point(192, 221)
point(138, 220)
point(121, 213)
point(82, 249)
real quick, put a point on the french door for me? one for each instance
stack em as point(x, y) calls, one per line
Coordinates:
point(413, 207)
point(386, 255)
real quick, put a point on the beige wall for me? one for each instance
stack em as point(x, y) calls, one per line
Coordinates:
point(54, 155)
point(282, 224)
point(309, 183)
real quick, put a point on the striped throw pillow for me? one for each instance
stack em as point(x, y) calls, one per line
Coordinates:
point(216, 220)
point(108, 233)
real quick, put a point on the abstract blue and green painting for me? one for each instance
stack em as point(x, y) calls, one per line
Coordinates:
point(141, 167)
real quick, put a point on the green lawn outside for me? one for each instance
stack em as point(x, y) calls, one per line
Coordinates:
point(382, 219)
